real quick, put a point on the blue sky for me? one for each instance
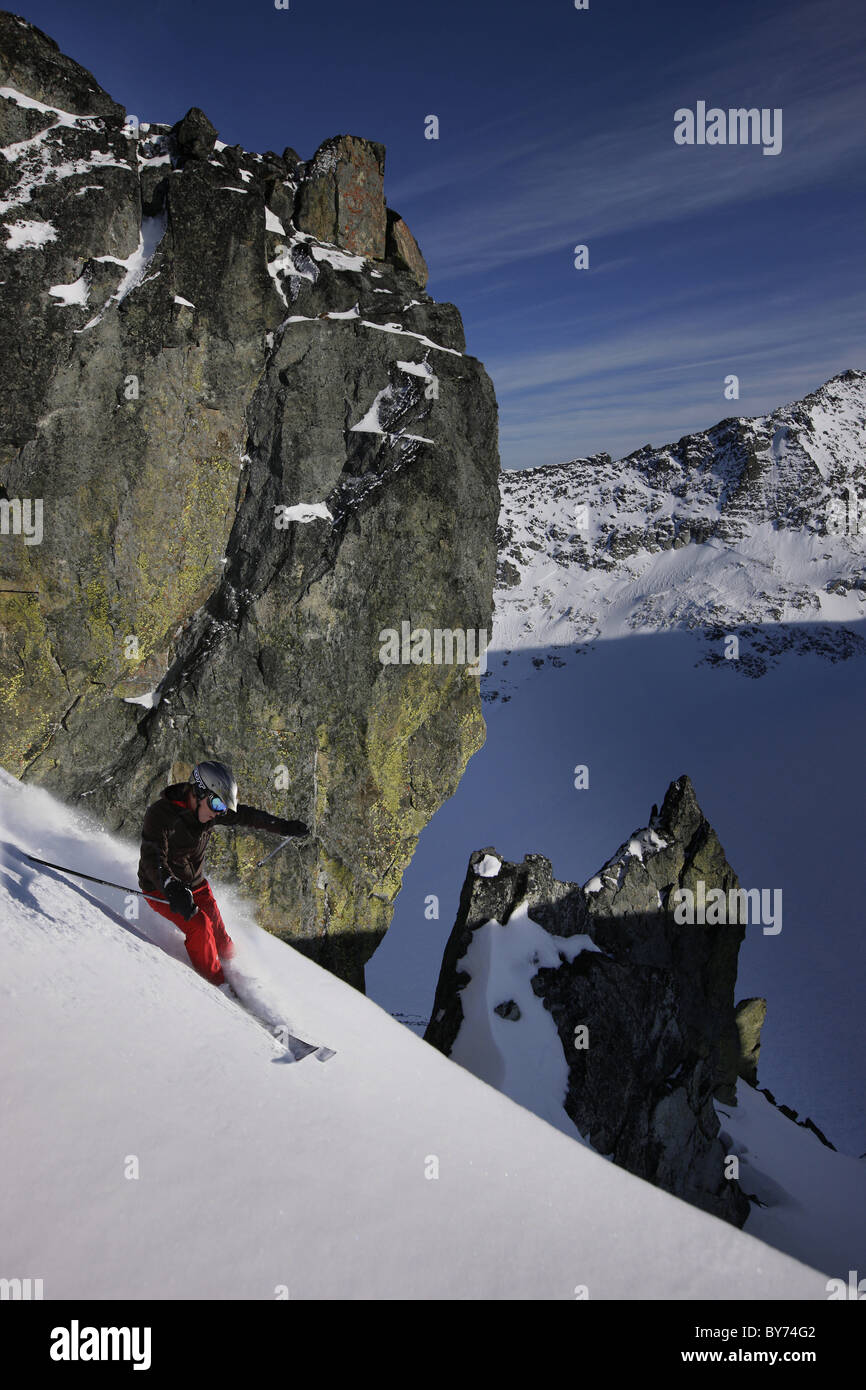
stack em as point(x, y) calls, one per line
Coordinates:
point(556, 128)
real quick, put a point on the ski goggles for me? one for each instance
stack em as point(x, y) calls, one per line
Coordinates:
point(215, 802)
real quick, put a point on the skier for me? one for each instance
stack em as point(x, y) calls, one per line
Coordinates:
point(174, 838)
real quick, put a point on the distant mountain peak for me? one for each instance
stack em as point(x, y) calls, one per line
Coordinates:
point(755, 521)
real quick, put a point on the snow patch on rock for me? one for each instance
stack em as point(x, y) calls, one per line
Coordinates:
point(28, 236)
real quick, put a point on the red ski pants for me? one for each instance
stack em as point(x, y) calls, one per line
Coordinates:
point(207, 941)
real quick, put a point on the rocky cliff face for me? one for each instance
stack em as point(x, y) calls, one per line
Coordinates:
point(635, 1009)
point(237, 440)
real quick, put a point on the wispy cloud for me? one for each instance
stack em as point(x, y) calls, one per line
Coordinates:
point(650, 384)
point(627, 423)
point(621, 171)
point(632, 179)
point(645, 360)
point(677, 343)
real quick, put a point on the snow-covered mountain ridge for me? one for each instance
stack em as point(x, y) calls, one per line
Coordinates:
point(755, 522)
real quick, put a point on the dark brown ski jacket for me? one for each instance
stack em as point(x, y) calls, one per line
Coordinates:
point(174, 841)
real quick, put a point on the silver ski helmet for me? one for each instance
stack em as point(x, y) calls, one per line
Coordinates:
point(213, 782)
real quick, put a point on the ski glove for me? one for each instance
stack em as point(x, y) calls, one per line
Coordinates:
point(180, 898)
point(290, 827)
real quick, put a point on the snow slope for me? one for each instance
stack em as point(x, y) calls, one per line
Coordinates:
point(154, 1143)
point(813, 1201)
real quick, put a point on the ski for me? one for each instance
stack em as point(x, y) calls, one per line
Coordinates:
point(296, 1048)
point(300, 1049)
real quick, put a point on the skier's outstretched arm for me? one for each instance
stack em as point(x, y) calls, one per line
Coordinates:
point(255, 819)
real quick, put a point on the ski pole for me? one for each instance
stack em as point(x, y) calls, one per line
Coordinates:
point(289, 838)
point(281, 845)
point(287, 841)
point(76, 874)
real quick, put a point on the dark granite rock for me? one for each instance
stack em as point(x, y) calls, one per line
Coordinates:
point(749, 1016)
point(32, 63)
point(341, 198)
point(508, 1009)
point(195, 135)
point(402, 249)
point(656, 997)
point(791, 1114)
